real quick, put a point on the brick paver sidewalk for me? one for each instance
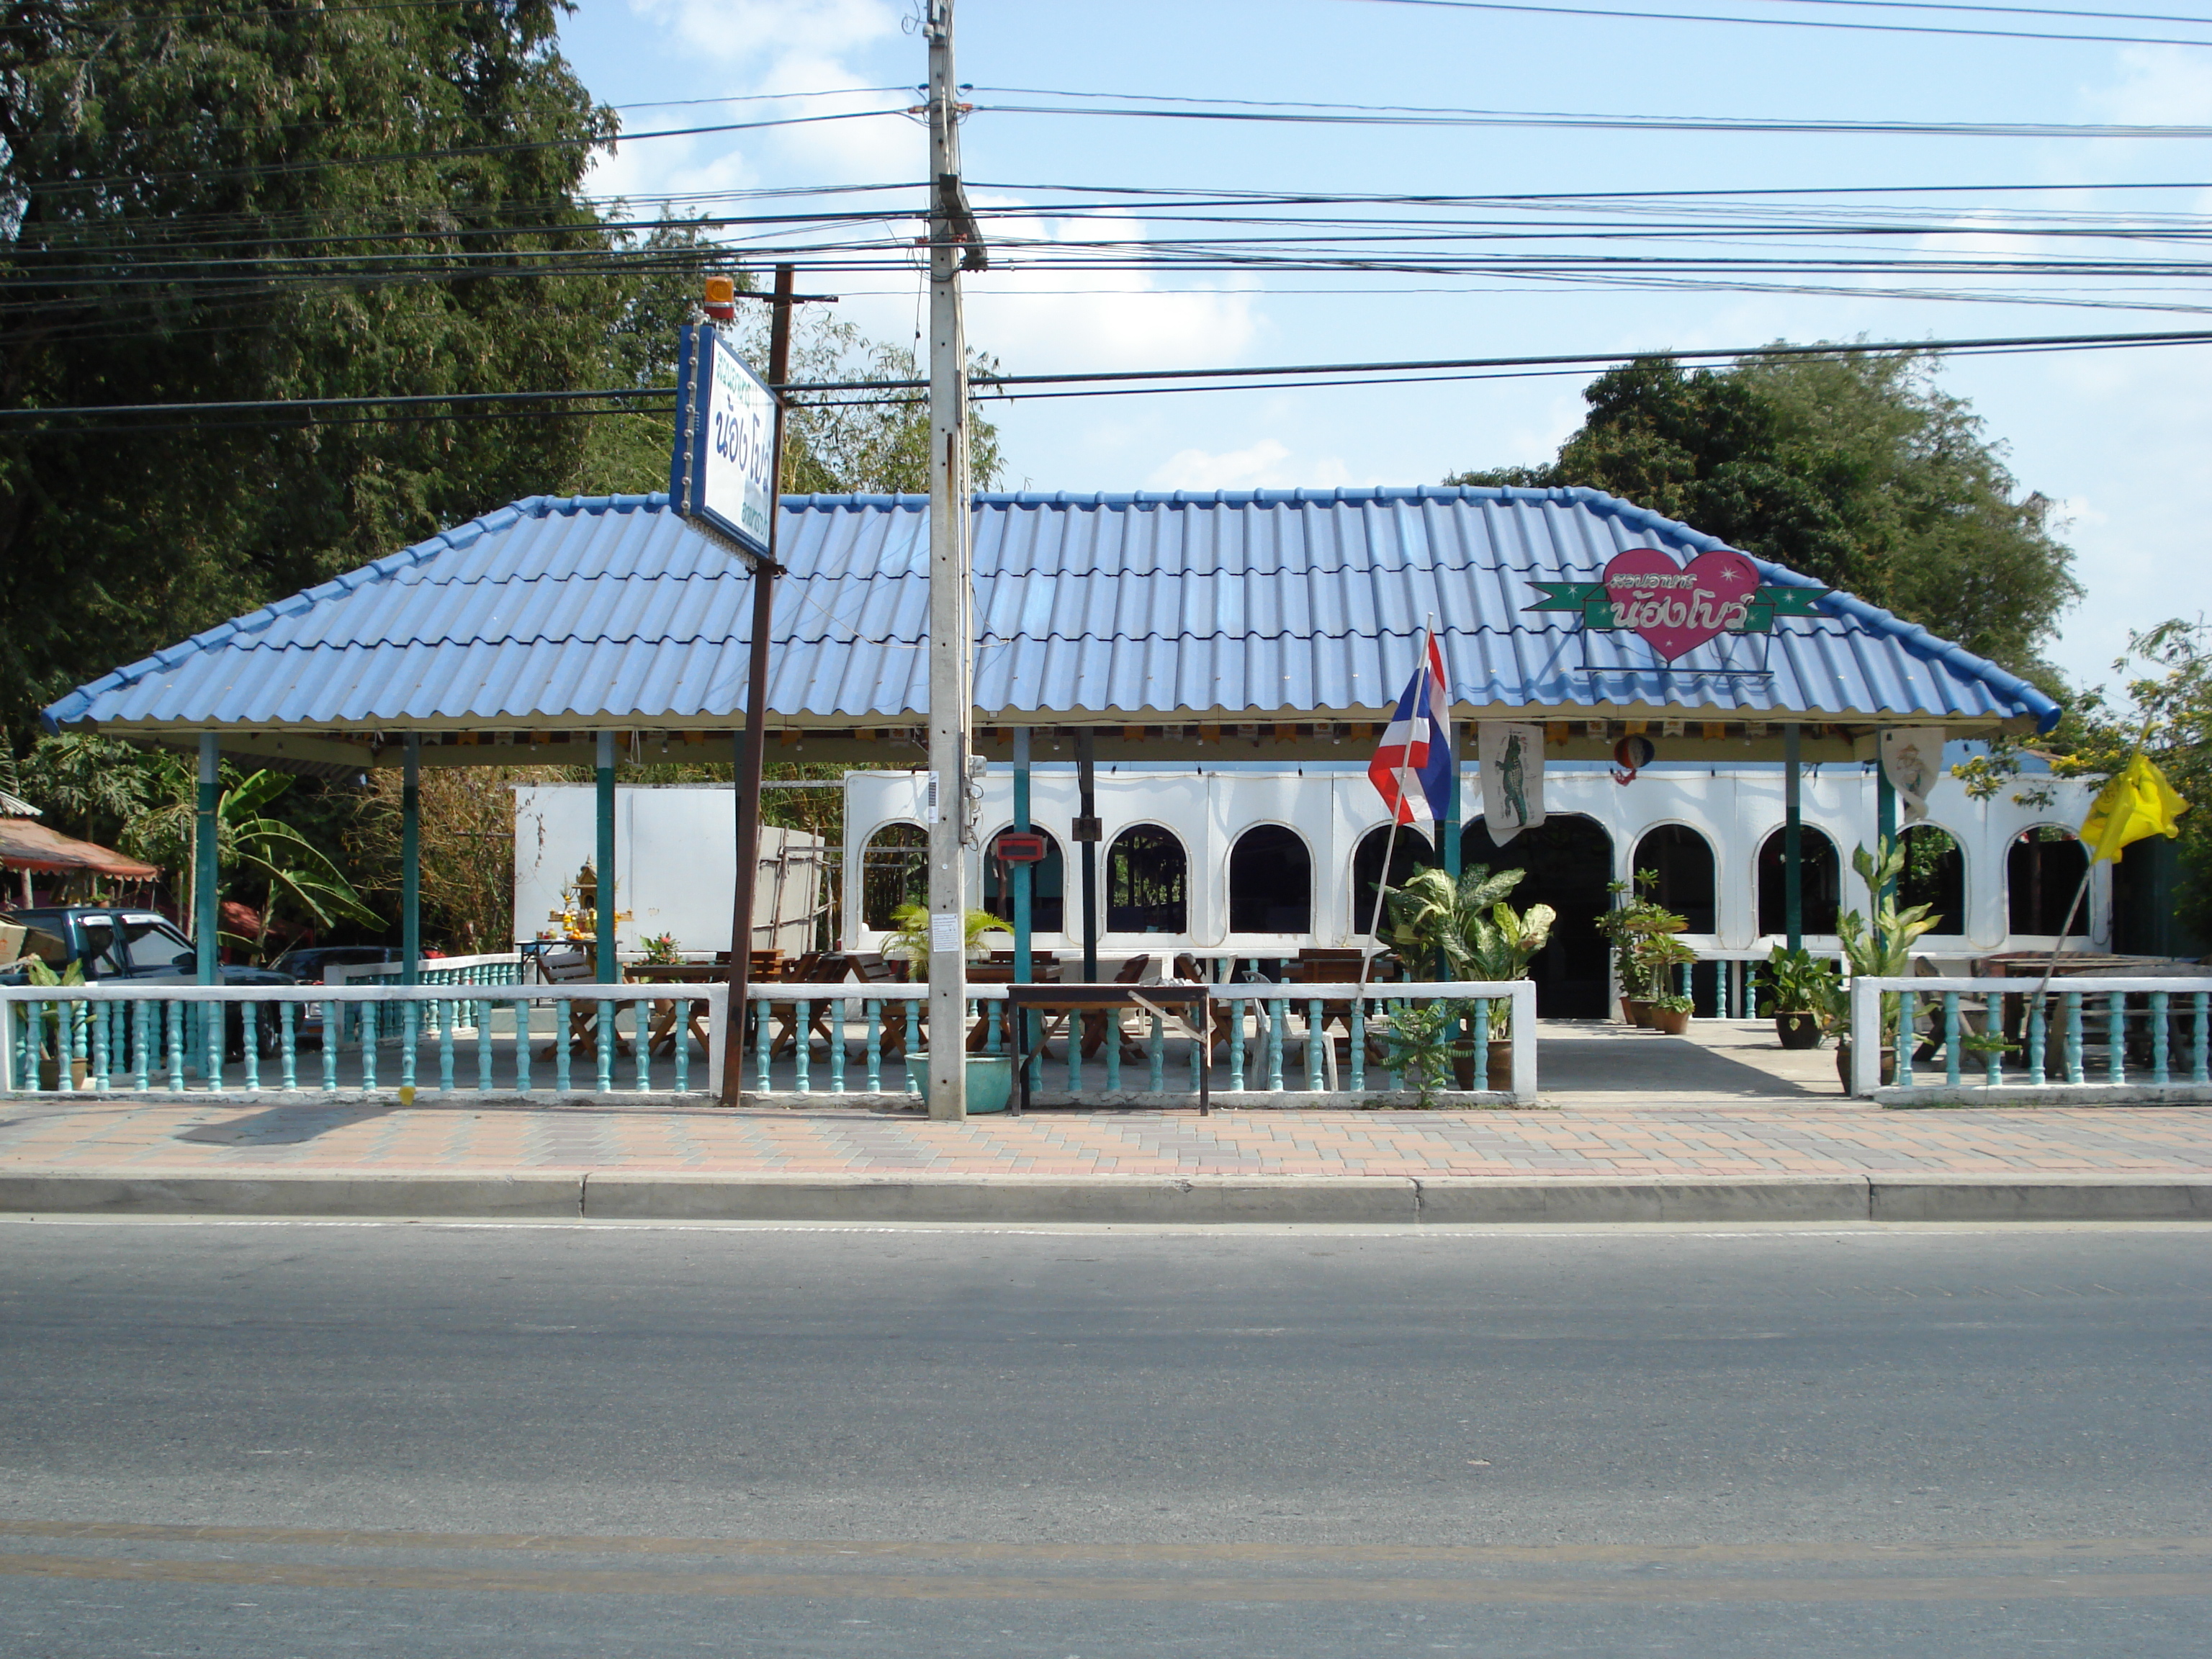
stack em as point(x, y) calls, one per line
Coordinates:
point(230, 1137)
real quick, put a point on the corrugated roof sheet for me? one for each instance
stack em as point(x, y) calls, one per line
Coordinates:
point(612, 611)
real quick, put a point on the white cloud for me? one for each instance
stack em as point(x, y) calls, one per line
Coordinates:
point(2157, 85)
point(1267, 464)
point(762, 33)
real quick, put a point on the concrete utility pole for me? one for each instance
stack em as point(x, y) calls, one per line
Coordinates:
point(954, 246)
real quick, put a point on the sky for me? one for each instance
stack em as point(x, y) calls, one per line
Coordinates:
point(2116, 438)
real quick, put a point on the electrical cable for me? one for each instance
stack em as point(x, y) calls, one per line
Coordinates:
point(1788, 23)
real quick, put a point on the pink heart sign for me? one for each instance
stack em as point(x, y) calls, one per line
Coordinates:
point(1678, 607)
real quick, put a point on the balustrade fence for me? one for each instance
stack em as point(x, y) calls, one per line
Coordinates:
point(1264, 1043)
point(1986, 1039)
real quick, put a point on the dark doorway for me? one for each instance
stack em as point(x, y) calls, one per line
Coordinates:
point(894, 870)
point(2042, 871)
point(1047, 887)
point(1412, 851)
point(1681, 860)
point(1147, 883)
point(1569, 859)
point(1270, 882)
point(1820, 884)
point(1934, 875)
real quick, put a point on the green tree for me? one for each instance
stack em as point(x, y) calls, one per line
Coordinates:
point(1856, 470)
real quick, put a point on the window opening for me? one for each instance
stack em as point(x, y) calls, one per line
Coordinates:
point(1412, 852)
point(2042, 871)
point(1569, 859)
point(1820, 884)
point(1047, 887)
point(1147, 883)
point(1934, 875)
point(894, 872)
point(1270, 882)
point(1682, 859)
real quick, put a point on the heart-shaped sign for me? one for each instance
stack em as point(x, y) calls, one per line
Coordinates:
point(1678, 607)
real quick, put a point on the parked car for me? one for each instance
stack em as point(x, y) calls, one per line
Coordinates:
point(310, 964)
point(115, 943)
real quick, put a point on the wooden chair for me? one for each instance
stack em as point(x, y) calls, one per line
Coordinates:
point(574, 966)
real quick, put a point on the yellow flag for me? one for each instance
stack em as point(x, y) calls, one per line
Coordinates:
point(2137, 802)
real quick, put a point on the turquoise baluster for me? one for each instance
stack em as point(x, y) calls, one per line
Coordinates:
point(483, 1047)
point(683, 1048)
point(1907, 1009)
point(287, 1044)
point(842, 1011)
point(913, 1041)
point(1480, 1036)
point(445, 1017)
point(641, 1039)
point(1276, 1019)
point(333, 1035)
point(1237, 1044)
point(1114, 1052)
point(522, 1047)
point(371, 1018)
point(211, 1024)
point(1156, 1053)
point(1951, 1038)
point(2072, 999)
point(1075, 1054)
point(1992, 1022)
point(2199, 1056)
point(175, 1021)
point(1391, 1011)
point(1202, 1054)
point(2159, 1057)
point(2039, 1037)
point(143, 1018)
point(802, 1070)
point(2116, 1046)
point(1358, 1078)
point(761, 1044)
point(249, 1022)
point(603, 1080)
point(564, 1041)
point(99, 1044)
point(874, 1060)
point(1314, 1037)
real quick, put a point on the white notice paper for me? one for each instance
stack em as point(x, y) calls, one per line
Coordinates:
point(945, 933)
point(1912, 755)
point(1511, 756)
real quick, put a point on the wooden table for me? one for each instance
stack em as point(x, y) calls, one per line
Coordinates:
point(1089, 998)
point(662, 1032)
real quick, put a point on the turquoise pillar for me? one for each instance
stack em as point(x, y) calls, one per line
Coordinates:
point(1793, 839)
point(1885, 810)
point(207, 915)
point(411, 864)
point(1451, 849)
point(609, 970)
point(1023, 874)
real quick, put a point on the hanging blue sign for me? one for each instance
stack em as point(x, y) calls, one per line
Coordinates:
point(725, 440)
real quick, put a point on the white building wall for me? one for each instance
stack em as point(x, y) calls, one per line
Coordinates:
point(1735, 811)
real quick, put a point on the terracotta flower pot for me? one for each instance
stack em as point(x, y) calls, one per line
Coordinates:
point(50, 1073)
point(1844, 1064)
point(1627, 1011)
point(1798, 1030)
point(1672, 1021)
point(1499, 1061)
point(1639, 1014)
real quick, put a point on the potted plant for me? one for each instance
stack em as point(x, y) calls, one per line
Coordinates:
point(1426, 1042)
point(1883, 949)
point(51, 1017)
point(1671, 1015)
point(1802, 986)
point(1480, 937)
point(1658, 959)
point(990, 1077)
point(1633, 920)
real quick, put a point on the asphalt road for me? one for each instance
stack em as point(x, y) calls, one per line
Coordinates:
point(340, 1439)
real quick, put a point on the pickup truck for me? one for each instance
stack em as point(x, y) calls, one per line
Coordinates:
point(116, 942)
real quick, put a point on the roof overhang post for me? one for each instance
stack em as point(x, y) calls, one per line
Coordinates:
point(410, 862)
point(610, 970)
point(1885, 815)
point(207, 897)
point(1793, 836)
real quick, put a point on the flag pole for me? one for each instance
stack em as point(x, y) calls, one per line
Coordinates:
point(1391, 846)
point(2088, 869)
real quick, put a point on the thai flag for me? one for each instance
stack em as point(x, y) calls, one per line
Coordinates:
point(1412, 766)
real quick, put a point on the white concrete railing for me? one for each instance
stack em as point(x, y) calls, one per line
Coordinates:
point(2168, 1020)
point(638, 1039)
point(502, 968)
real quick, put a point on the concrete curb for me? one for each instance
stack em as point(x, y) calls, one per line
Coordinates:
point(1397, 1201)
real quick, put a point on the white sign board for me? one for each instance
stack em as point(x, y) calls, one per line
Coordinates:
point(725, 441)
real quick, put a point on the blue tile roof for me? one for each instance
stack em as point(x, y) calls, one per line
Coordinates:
point(1247, 604)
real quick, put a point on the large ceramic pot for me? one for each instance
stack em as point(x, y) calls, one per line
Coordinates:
point(1627, 1011)
point(1844, 1064)
point(1798, 1030)
point(50, 1073)
point(990, 1082)
point(1499, 1063)
point(1675, 1021)
point(1640, 1013)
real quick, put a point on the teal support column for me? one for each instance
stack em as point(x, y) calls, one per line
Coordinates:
point(1793, 838)
point(609, 970)
point(206, 916)
point(1451, 851)
point(1885, 810)
point(1023, 874)
point(411, 864)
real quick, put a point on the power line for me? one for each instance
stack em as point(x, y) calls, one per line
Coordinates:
point(1790, 22)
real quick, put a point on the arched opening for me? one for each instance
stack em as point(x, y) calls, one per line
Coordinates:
point(1147, 883)
point(1270, 882)
point(1047, 887)
point(894, 870)
point(1934, 875)
point(2042, 871)
point(1820, 882)
point(1412, 851)
point(1680, 863)
point(1569, 859)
